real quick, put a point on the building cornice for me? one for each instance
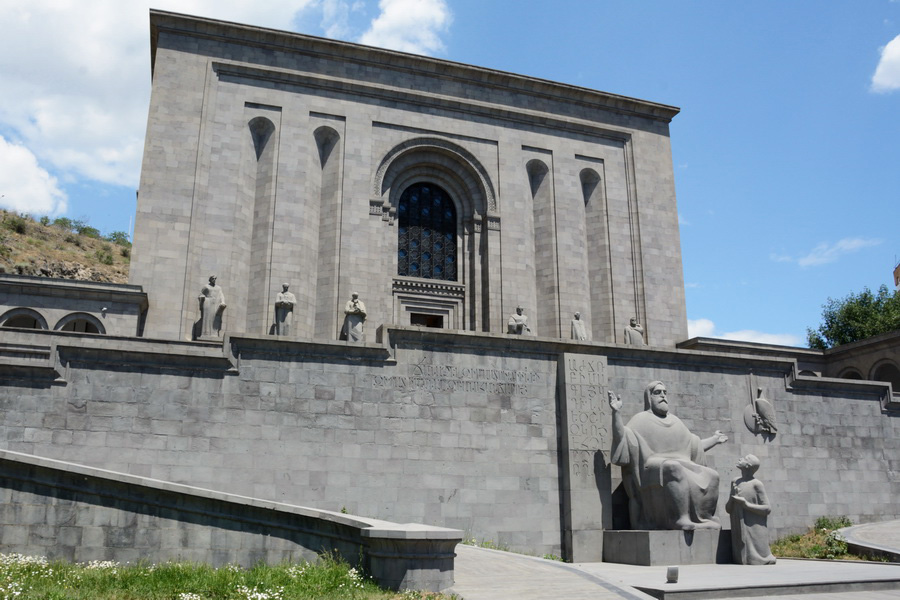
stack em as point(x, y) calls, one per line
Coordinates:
point(391, 60)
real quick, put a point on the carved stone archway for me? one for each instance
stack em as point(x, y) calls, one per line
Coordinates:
point(456, 170)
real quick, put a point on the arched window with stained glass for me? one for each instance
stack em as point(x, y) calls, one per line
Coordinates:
point(426, 233)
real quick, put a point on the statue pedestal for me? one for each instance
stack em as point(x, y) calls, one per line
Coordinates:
point(659, 548)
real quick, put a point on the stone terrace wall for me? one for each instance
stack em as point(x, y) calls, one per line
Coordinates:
point(325, 425)
point(445, 428)
point(64, 511)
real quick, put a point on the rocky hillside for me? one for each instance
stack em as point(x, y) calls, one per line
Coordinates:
point(62, 248)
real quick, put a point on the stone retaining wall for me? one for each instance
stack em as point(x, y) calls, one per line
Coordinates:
point(490, 434)
point(60, 510)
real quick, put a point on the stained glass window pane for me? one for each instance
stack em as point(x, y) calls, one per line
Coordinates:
point(426, 233)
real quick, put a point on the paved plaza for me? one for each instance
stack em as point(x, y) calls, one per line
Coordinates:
point(483, 574)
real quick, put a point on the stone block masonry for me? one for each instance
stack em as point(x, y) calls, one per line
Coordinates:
point(64, 511)
point(451, 429)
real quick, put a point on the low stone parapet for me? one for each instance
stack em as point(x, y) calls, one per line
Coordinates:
point(67, 511)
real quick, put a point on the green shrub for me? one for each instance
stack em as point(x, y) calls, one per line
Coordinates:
point(63, 223)
point(16, 223)
point(45, 220)
point(104, 254)
point(821, 541)
point(831, 523)
point(86, 230)
point(118, 237)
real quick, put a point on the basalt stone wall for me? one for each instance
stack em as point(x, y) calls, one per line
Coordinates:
point(503, 437)
point(65, 511)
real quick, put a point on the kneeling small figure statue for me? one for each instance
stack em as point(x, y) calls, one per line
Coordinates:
point(749, 508)
point(663, 470)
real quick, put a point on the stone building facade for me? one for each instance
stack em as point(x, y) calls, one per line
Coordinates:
point(273, 157)
point(446, 195)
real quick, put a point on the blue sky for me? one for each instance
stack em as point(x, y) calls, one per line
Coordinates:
point(786, 150)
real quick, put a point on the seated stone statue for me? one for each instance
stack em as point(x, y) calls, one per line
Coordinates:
point(749, 509)
point(663, 470)
point(518, 323)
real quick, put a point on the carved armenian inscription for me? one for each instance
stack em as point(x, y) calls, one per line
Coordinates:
point(451, 378)
point(587, 421)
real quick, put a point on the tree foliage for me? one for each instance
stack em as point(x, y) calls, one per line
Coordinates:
point(856, 317)
point(118, 237)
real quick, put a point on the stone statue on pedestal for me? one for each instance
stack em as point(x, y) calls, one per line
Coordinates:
point(212, 305)
point(749, 509)
point(284, 310)
point(354, 320)
point(518, 323)
point(663, 470)
point(634, 333)
point(579, 331)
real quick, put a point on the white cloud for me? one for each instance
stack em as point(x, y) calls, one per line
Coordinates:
point(336, 17)
point(887, 73)
point(750, 335)
point(701, 328)
point(706, 328)
point(24, 185)
point(76, 77)
point(409, 26)
point(827, 253)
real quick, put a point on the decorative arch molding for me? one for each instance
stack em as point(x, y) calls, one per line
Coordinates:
point(261, 129)
point(851, 373)
point(80, 316)
point(16, 313)
point(590, 180)
point(326, 139)
point(448, 164)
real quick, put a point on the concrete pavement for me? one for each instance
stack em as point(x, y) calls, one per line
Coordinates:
point(483, 574)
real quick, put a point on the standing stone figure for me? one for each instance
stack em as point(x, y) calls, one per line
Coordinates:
point(749, 509)
point(354, 320)
point(663, 470)
point(284, 310)
point(578, 330)
point(634, 333)
point(518, 323)
point(212, 305)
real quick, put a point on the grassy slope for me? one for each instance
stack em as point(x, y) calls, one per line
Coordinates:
point(28, 247)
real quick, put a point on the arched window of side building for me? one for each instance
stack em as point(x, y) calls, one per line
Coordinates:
point(80, 323)
point(24, 318)
point(887, 371)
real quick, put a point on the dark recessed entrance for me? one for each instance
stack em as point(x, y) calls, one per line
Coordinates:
point(436, 321)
